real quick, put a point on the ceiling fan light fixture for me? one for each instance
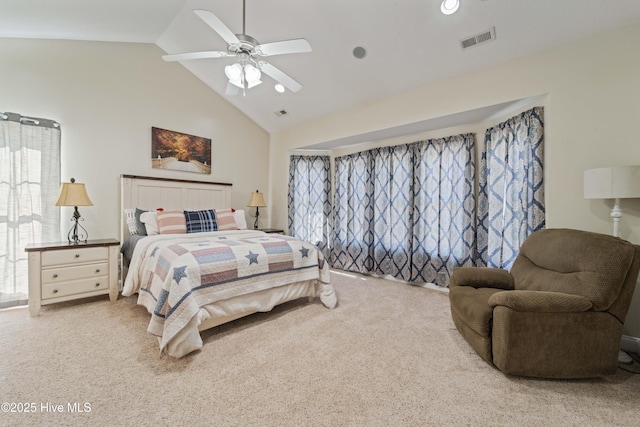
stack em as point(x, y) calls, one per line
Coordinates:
point(449, 7)
point(237, 73)
point(251, 73)
point(233, 72)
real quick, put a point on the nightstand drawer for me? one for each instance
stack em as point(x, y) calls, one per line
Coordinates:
point(55, 290)
point(75, 256)
point(64, 274)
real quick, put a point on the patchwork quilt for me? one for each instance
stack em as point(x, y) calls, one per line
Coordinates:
point(175, 275)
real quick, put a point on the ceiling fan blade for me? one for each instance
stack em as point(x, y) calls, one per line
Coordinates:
point(283, 47)
point(280, 77)
point(218, 26)
point(195, 55)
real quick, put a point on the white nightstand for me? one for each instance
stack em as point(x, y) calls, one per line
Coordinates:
point(62, 272)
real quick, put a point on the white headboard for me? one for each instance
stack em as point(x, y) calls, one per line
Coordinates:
point(170, 194)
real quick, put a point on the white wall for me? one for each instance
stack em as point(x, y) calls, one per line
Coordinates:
point(107, 96)
point(592, 107)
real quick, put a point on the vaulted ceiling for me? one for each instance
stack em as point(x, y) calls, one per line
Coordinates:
point(408, 43)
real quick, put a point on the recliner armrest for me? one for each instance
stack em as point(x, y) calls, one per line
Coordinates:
point(540, 301)
point(482, 277)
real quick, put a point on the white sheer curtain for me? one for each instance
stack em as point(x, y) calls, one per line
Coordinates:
point(29, 182)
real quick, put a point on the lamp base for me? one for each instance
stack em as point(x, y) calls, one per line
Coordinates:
point(255, 224)
point(77, 233)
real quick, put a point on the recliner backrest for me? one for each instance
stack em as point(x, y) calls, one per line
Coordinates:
point(576, 262)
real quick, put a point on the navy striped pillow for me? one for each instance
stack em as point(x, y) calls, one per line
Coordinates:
point(201, 221)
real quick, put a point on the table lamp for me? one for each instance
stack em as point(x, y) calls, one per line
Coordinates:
point(256, 201)
point(74, 194)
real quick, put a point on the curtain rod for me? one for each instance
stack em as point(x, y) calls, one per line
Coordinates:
point(22, 119)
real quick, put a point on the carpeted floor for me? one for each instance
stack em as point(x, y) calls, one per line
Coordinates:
point(388, 355)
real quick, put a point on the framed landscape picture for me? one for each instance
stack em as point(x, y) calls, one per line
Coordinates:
point(180, 151)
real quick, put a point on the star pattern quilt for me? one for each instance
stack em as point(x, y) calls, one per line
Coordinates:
point(178, 274)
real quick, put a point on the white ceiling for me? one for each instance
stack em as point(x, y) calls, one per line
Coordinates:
point(409, 43)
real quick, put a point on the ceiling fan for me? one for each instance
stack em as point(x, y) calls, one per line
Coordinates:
point(246, 73)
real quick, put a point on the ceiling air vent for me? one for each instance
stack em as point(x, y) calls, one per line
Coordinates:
point(483, 37)
point(281, 113)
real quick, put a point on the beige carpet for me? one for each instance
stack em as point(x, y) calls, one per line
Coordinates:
point(388, 355)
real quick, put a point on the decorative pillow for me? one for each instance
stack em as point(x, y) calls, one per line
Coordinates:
point(150, 221)
point(241, 220)
point(200, 221)
point(142, 230)
point(171, 222)
point(226, 219)
point(130, 217)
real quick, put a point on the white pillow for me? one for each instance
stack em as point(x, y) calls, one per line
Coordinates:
point(150, 221)
point(241, 221)
point(130, 216)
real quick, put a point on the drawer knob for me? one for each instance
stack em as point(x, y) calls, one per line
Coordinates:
point(77, 255)
point(55, 276)
point(97, 285)
point(97, 270)
point(55, 291)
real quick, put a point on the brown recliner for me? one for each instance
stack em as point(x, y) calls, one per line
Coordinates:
point(558, 313)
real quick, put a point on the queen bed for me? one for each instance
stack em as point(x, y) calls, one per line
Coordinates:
point(196, 280)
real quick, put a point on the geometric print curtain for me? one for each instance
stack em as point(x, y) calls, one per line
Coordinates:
point(444, 231)
point(309, 200)
point(407, 211)
point(29, 182)
point(352, 237)
point(511, 188)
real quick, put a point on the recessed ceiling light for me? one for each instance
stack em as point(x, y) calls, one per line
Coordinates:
point(359, 52)
point(279, 88)
point(449, 6)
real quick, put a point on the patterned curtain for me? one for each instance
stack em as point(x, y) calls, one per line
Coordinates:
point(444, 208)
point(353, 213)
point(29, 182)
point(309, 200)
point(406, 211)
point(392, 211)
point(511, 190)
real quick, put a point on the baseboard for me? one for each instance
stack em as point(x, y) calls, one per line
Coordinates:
point(631, 344)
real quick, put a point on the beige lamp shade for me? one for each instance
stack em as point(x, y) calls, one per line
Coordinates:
point(257, 200)
point(619, 182)
point(73, 194)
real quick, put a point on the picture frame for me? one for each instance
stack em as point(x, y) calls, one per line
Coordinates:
point(180, 151)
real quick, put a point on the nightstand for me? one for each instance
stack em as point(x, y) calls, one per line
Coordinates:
point(272, 230)
point(61, 272)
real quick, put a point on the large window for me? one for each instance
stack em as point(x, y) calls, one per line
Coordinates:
point(29, 181)
point(407, 211)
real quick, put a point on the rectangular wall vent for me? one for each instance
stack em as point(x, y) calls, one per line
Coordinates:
point(483, 37)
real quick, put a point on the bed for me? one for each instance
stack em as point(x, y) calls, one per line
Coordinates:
point(190, 282)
